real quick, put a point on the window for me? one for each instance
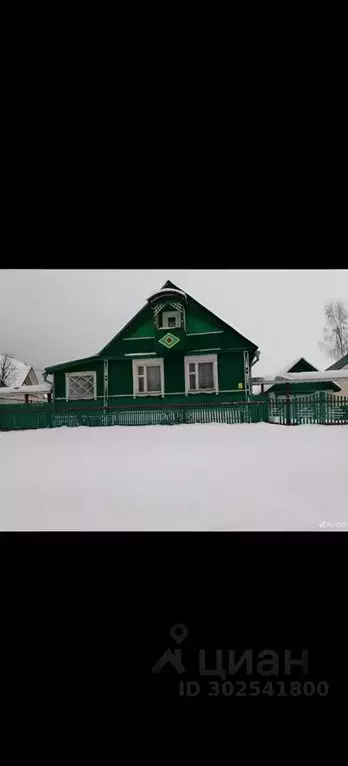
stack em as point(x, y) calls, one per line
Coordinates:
point(81, 385)
point(148, 377)
point(170, 319)
point(201, 374)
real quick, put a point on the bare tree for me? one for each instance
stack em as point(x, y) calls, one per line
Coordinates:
point(335, 342)
point(8, 369)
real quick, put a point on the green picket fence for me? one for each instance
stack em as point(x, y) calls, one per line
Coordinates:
point(324, 409)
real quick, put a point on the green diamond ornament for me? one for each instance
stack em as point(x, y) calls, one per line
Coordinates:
point(169, 340)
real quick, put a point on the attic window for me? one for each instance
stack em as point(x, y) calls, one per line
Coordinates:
point(81, 385)
point(170, 319)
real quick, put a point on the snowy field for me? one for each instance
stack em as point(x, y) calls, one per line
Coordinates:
point(199, 477)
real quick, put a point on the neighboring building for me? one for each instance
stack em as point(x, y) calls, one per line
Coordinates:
point(21, 375)
point(174, 349)
point(278, 390)
point(342, 364)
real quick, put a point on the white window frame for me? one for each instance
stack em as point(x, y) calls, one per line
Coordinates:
point(169, 315)
point(69, 375)
point(201, 358)
point(147, 363)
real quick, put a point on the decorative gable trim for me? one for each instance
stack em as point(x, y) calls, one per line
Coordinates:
point(210, 332)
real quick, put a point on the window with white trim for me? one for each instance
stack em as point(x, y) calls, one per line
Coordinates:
point(80, 385)
point(148, 377)
point(170, 319)
point(201, 374)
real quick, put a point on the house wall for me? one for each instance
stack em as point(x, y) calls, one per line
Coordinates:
point(344, 387)
point(205, 333)
point(120, 381)
point(230, 373)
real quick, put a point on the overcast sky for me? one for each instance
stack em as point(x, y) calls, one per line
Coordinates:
point(50, 316)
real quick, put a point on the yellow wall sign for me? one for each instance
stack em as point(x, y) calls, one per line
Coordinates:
point(240, 385)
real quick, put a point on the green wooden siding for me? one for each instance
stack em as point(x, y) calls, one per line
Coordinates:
point(231, 370)
point(146, 328)
point(120, 377)
point(137, 346)
point(198, 320)
point(174, 377)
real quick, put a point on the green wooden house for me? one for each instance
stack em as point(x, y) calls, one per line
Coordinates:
point(280, 390)
point(173, 350)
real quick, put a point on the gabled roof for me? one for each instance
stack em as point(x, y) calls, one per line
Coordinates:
point(340, 364)
point(171, 284)
point(288, 367)
point(167, 285)
point(20, 372)
point(71, 363)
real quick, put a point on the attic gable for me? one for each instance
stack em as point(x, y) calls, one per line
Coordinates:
point(301, 365)
point(210, 321)
point(200, 320)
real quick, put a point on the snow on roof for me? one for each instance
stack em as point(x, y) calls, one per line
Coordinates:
point(308, 376)
point(167, 290)
point(284, 371)
point(20, 371)
point(39, 375)
point(43, 388)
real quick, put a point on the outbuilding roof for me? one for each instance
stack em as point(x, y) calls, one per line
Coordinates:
point(20, 371)
point(289, 366)
point(43, 388)
point(340, 364)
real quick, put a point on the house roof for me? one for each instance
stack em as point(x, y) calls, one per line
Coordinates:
point(288, 367)
point(20, 371)
point(340, 364)
point(285, 376)
point(171, 284)
point(168, 285)
point(308, 376)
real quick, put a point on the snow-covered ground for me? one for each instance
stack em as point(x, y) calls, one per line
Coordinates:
point(198, 477)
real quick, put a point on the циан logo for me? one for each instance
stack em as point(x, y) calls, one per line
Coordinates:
point(178, 632)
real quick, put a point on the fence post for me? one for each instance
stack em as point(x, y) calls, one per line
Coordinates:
point(184, 414)
point(288, 415)
point(321, 407)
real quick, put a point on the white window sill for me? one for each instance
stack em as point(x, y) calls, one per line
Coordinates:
point(204, 391)
point(82, 399)
point(152, 393)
